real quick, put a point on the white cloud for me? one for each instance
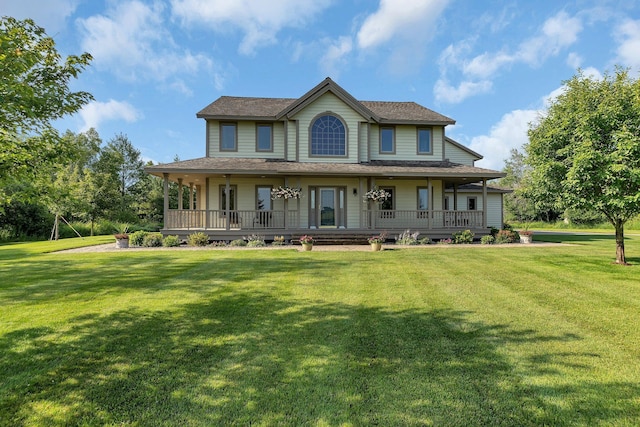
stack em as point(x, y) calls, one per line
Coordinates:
point(574, 60)
point(557, 33)
point(259, 20)
point(132, 42)
point(96, 112)
point(334, 57)
point(406, 19)
point(50, 14)
point(510, 132)
point(628, 37)
point(444, 92)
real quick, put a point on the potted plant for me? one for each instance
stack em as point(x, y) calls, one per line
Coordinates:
point(122, 238)
point(307, 242)
point(376, 242)
point(526, 236)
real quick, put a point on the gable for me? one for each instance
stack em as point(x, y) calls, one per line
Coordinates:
point(458, 153)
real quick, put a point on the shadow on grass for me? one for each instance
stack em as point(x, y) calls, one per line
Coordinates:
point(250, 358)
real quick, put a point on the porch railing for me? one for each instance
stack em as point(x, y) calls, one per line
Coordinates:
point(275, 220)
point(240, 219)
point(407, 219)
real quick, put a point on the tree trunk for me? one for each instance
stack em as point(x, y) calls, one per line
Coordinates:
point(620, 258)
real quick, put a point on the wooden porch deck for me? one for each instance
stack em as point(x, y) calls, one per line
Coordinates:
point(433, 224)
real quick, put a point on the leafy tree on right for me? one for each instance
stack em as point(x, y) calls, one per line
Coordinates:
point(585, 151)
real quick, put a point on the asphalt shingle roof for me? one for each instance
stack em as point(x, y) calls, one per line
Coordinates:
point(232, 165)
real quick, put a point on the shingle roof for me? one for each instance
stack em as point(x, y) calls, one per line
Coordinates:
point(231, 165)
point(232, 107)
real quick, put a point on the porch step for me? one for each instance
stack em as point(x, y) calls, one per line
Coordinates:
point(336, 239)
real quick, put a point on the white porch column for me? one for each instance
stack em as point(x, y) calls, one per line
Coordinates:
point(180, 194)
point(166, 197)
point(227, 201)
point(429, 200)
point(484, 202)
point(207, 205)
point(191, 196)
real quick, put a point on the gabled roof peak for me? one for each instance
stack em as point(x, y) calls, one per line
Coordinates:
point(327, 85)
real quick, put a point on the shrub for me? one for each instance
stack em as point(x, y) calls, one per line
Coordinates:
point(463, 237)
point(171, 241)
point(487, 240)
point(278, 241)
point(219, 243)
point(408, 238)
point(238, 242)
point(197, 239)
point(137, 238)
point(152, 240)
point(425, 241)
point(507, 236)
point(255, 241)
point(445, 241)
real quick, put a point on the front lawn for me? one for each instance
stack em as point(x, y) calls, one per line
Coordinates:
point(454, 336)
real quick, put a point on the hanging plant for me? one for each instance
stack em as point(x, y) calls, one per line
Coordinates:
point(286, 193)
point(377, 195)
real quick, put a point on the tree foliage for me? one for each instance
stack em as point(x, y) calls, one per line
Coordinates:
point(34, 91)
point(585, 152)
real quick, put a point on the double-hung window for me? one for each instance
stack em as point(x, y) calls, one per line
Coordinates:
point(387, 140)
point(264, 137)
point(424, 141)
point(228, 137)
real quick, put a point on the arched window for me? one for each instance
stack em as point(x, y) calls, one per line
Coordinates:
point(328, 137)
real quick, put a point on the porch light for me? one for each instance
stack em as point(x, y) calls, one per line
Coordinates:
point(355, 191)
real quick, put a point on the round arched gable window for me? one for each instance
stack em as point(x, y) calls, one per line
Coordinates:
point(328, 136)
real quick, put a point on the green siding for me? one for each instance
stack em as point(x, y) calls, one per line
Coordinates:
point(331, 104)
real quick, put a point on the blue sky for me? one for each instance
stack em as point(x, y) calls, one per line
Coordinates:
point(490, 65)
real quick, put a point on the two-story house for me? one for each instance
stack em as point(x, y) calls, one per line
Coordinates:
point(283, 166)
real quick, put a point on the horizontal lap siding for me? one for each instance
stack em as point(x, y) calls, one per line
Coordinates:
point(457, 155)
point(406, 144)
point(331, 104)
point(407, 192)
point(246, 141)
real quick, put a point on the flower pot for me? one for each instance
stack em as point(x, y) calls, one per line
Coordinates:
point(526, 238)
point(122, 243)
point(376, 246)
point(307, 246)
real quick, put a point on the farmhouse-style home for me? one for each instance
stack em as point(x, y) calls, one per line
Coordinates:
point(328, 164)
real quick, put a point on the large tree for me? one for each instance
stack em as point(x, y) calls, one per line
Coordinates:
point(34, 91)
point(585, 151)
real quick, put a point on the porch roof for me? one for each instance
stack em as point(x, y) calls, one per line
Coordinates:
point(380, 168)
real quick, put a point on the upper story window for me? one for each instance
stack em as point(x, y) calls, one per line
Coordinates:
point(387, 140)
point(424, 141)
point(228, 137)
point(328, 136)
point(264, 137)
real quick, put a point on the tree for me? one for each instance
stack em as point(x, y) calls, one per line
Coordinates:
point(120, 168)
point(585, 151)
point(34, 89)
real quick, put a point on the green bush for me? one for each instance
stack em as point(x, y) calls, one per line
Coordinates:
point(425, 241)
point(198, 239)
point(256, 244)
point(171, 241)
point(152, 240)
point(137, 238)
point(507, 236)
point(487, 240)
point(238, 242)
point(408, 238)
point(463, 237)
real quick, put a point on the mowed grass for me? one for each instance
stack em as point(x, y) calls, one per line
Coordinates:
point(453, 336)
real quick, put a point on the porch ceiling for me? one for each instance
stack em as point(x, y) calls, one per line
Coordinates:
point(208, 166)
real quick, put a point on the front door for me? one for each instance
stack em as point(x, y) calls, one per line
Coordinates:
point(327, 207)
